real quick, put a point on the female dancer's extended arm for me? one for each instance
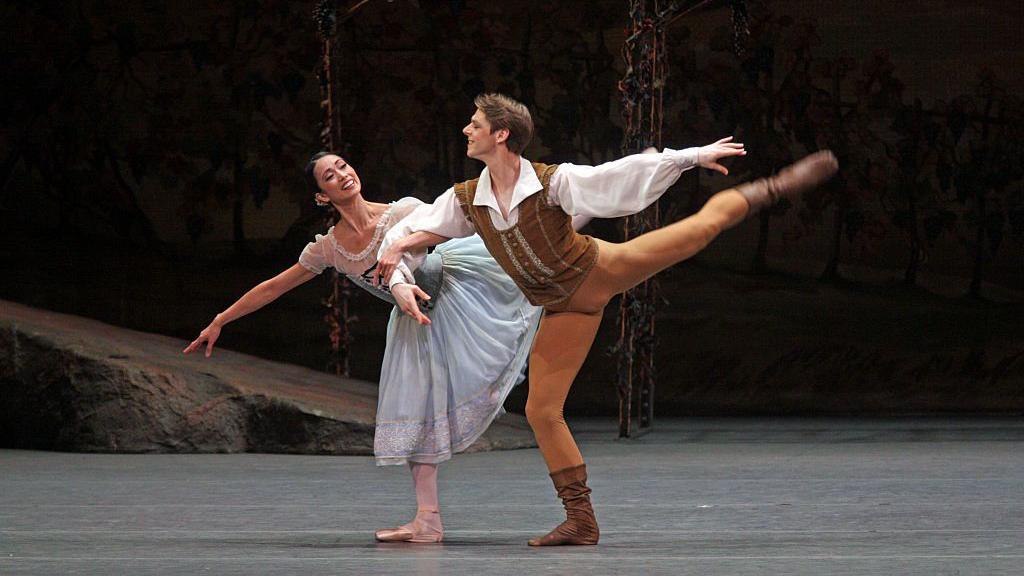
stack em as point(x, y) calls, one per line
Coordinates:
point(262, 294)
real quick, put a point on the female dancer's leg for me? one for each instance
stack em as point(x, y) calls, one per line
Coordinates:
point(426, 526)
point(434, 403)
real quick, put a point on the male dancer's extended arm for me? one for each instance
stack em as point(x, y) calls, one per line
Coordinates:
point(619, 188)
point(630, 184)
point(403, 256)
point(427, 225)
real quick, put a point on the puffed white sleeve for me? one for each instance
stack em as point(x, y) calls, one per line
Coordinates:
point(443, 217)
point(312, 257)
point(621, 187)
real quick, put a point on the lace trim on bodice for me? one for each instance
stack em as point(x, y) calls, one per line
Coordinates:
point(374, 244)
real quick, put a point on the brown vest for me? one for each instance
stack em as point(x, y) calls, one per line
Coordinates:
point(542, 254)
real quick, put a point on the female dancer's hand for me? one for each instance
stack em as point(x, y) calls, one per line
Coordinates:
point(708, 156)
point(405, 295)
point(208, 335)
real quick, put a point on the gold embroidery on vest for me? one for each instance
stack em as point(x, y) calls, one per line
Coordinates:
point(515, 262)
point(530, 253)
point(551, 245)
point(549, 281)
point(545, 178)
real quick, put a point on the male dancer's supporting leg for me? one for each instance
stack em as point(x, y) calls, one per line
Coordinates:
point(561, 345)
point(563, 339)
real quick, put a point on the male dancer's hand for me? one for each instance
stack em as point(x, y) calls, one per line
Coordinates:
point(393, 255)
point(406, 295)
point(387, 263)
point(708, 156)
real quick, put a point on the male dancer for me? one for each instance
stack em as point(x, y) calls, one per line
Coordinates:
point(523, 212)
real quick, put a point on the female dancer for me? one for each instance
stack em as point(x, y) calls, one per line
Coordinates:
point(432, 402)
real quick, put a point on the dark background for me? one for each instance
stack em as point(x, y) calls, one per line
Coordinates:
point(151, 157)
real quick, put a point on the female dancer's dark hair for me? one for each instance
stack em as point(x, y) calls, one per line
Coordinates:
point(310, 177)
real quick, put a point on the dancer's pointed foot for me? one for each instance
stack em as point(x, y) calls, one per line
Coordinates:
point(580, 526)
point(425, 528)
point(791, 181)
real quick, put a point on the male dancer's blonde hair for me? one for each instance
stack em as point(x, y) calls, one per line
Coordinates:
point(505, 113)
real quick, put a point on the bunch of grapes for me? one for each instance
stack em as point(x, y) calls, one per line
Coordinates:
point(325, 16)
point(740, 26)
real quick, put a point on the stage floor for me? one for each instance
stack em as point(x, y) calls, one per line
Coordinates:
point(701, 496)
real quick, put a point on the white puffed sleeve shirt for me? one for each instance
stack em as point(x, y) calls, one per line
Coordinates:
point(618, 188)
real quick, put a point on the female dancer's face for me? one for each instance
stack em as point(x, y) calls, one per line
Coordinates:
point(337, 180)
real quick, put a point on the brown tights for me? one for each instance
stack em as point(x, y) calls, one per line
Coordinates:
point(564, 338)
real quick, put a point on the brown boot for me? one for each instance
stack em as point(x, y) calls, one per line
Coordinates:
point(580, 526)
point(791, 181)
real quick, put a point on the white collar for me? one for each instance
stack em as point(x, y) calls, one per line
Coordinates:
point(527, 185)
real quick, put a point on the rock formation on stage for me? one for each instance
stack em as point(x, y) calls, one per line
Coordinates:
point(69, 383)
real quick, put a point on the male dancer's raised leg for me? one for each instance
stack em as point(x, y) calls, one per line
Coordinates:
point(564, 339)
point(622, 266)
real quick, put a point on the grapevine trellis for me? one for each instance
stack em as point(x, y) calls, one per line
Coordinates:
point(338, 317)
point(642, 90)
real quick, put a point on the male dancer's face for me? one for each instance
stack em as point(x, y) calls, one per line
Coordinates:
point(480, 141)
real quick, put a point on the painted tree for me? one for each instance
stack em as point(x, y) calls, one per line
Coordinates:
point(848, 128)
point(123, 101)
point(918, 183)
point(245, 71)
point(763, 96)
point(65, 153)
point(988, 167)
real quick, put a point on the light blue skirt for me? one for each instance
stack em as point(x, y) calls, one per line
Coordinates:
point(442, 385)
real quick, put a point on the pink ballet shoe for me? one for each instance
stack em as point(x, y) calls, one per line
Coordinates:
point(417, 532)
